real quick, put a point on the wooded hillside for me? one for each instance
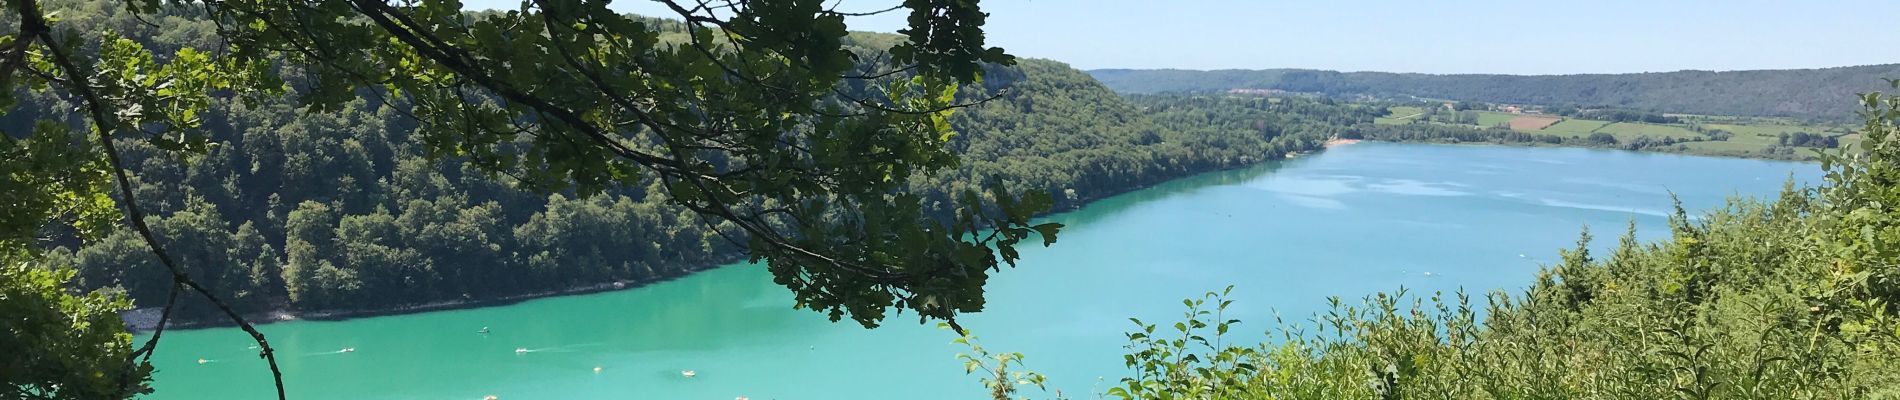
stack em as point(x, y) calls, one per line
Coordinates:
point(1824, 94)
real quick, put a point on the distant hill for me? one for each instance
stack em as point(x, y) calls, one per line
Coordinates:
point(1824, 93)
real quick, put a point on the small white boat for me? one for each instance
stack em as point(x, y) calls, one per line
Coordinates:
point(519, 350)
point(202, 361)
point(596, 370)
point(688, 373)
point(489, 397)
point(484, 330)
point(349, 350)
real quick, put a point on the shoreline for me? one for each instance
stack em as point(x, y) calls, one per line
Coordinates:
point(146, 319)
point(1535, 145)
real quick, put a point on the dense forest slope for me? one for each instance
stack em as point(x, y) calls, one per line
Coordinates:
point(1060, 131)
point(1825, 94)
point(345, 212)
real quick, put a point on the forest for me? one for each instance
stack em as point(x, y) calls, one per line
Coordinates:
point(459, 179)
point(335, 213)
point(1824, 94)
point(1211, 116)
point(341, 212)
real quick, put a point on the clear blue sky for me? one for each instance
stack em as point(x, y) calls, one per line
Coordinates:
point(1512, 37)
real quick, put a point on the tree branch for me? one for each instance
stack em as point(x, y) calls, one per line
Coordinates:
point(35, 22)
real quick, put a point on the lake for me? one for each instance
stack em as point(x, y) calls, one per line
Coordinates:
point(1347, 222)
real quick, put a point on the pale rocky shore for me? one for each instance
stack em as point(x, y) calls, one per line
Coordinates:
point(145, 319)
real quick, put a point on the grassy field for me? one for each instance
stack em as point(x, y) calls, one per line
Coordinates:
point(1626, 131)
point(1749, 136)
point(1493, 118)
point(1574, 127)
point(1758, 136)
point(1399, 115)
point(1530, 123)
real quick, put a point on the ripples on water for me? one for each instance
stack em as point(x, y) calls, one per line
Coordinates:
point(1348, 222)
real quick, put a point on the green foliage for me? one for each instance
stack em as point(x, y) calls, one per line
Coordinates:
point(1785, 299)
point(1441, 133)
point(1820, 94)
point(1189, 362)
point(1728, 308)
point(761, 119)
point(747, 123)
point(1863, 200)
point(750, 123)
point(1002, 382)
point(1248, 129)
point(379, 146)
point(61, 345)
point(360, 218)
point(350, 210)
point(1730, 136)
point(50, 174)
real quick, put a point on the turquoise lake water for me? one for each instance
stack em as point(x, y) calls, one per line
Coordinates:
point(1347, 222)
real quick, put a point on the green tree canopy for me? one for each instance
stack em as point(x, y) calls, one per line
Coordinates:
point(751, 114)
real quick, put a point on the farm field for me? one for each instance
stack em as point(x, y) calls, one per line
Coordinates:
point(1630, 131)
point(1748, 136)
point(1531, 123)
point(1574, 127)
point(1493, 118)
point(1399, 115)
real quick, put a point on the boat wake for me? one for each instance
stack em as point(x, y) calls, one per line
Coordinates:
point(573, 348)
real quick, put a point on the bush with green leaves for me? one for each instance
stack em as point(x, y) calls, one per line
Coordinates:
point(56, 343)
point(1188, 361)
point(1002, 380)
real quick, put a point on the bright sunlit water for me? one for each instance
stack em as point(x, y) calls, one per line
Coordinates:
point(1348, 222)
